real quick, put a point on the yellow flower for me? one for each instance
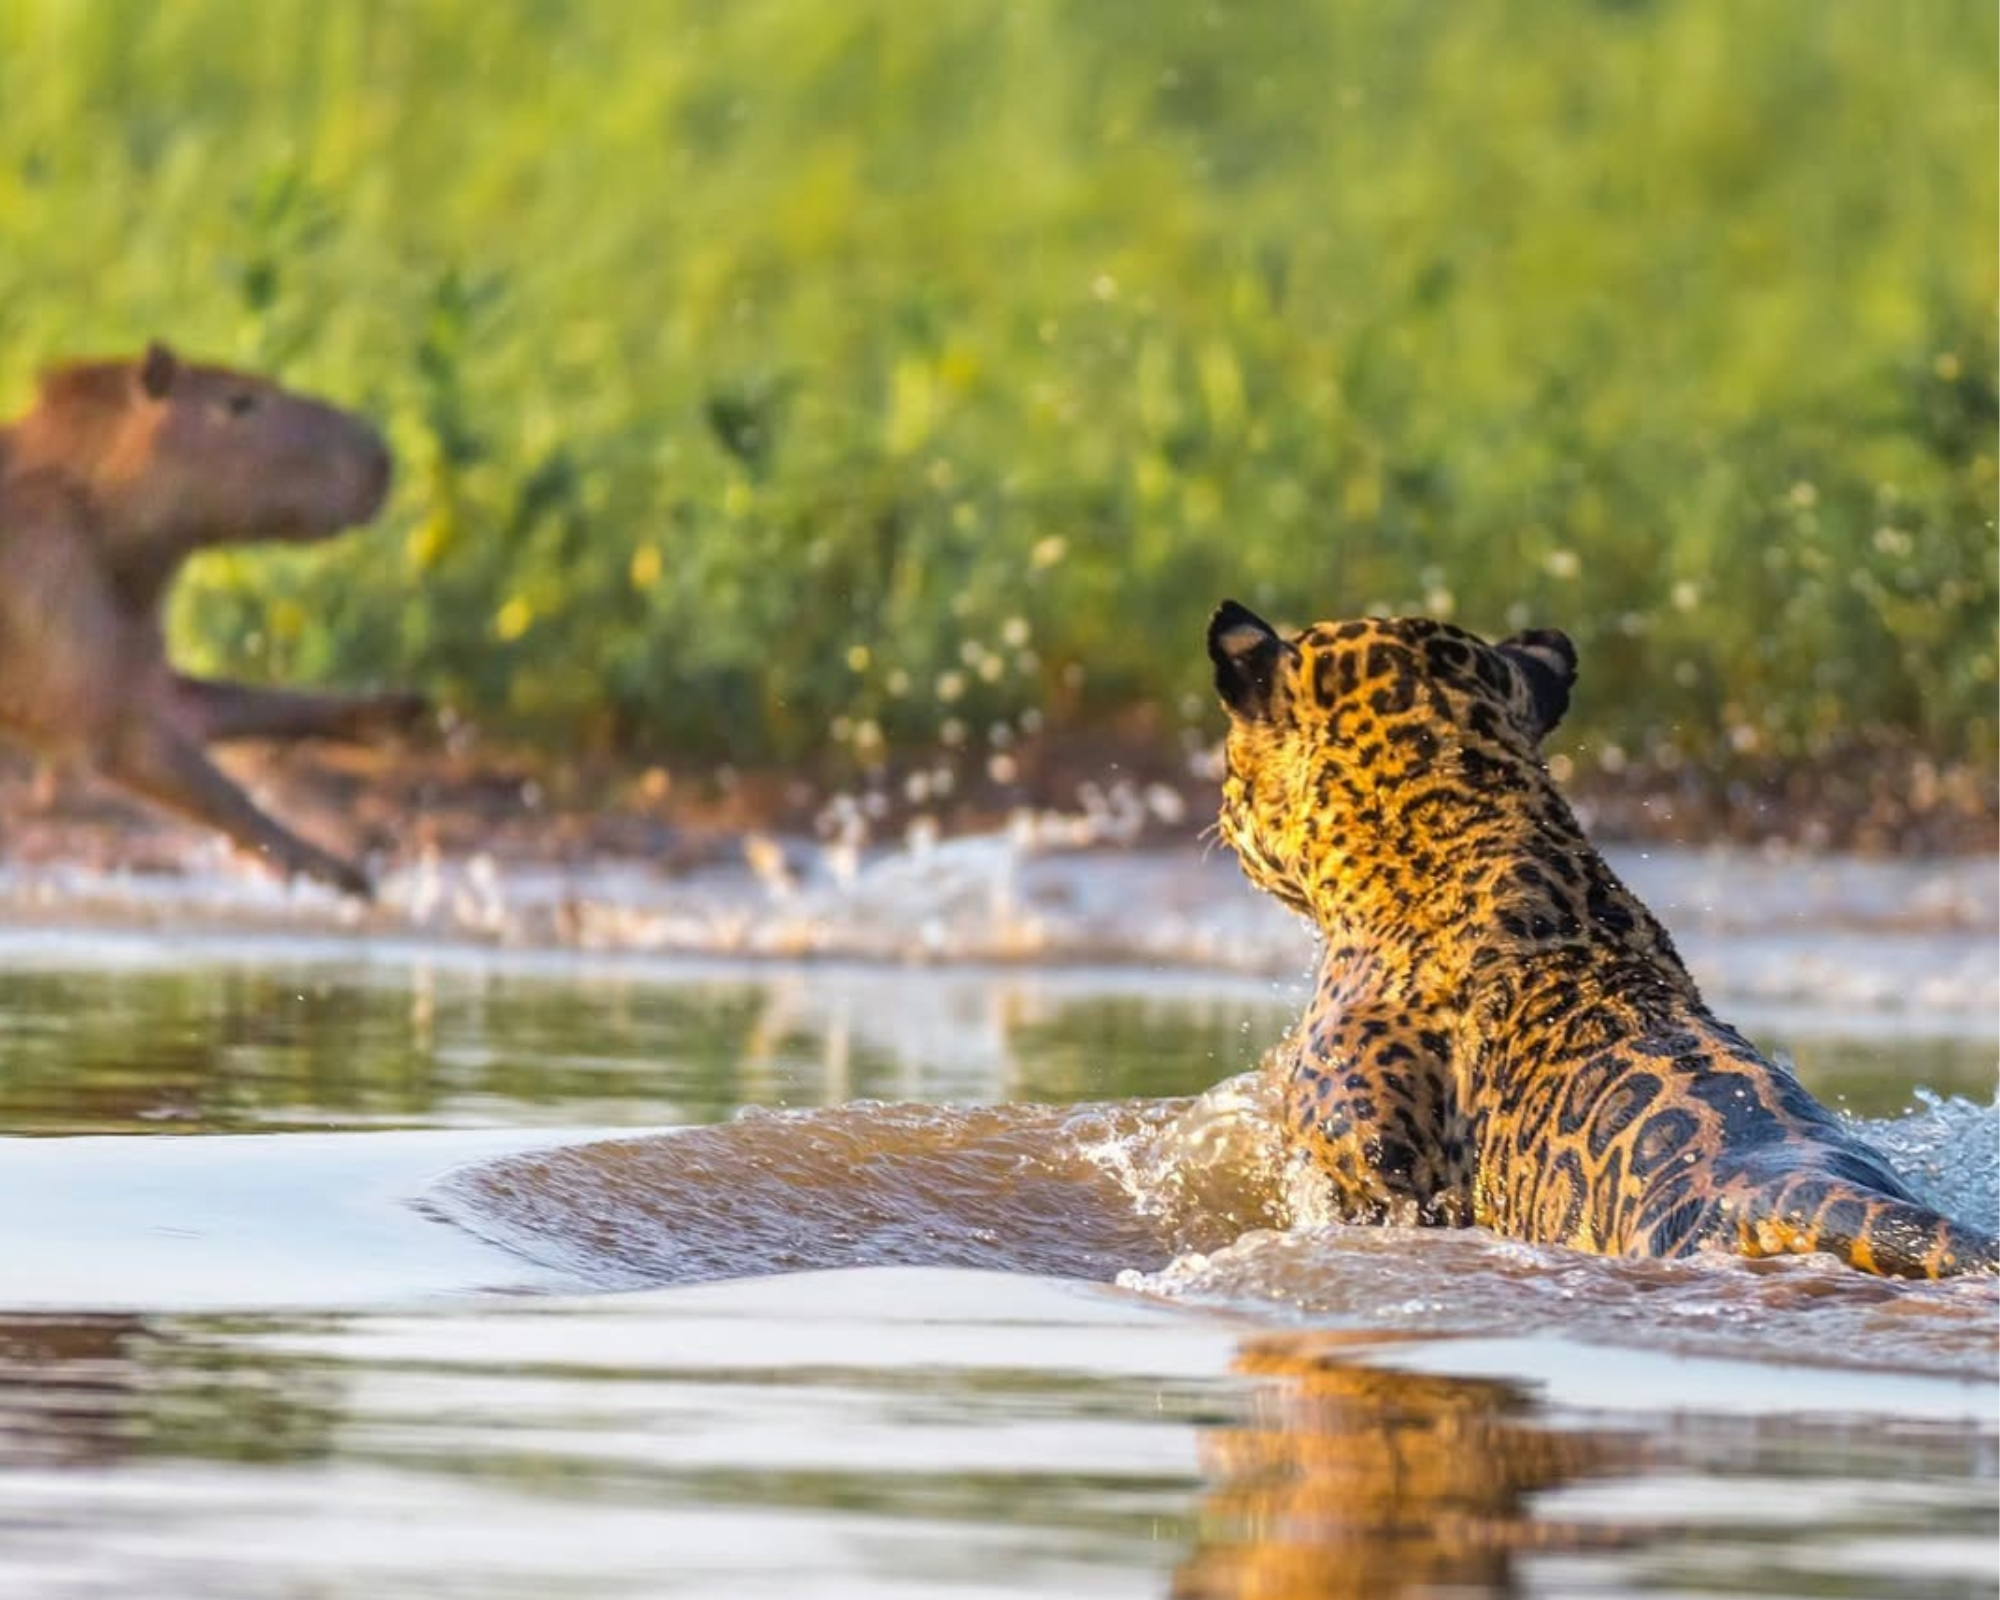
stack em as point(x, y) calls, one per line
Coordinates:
point(428, 541)
point(512, 620)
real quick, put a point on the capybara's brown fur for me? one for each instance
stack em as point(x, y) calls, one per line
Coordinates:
point(118, 473)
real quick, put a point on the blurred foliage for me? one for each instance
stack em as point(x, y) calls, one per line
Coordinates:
point(774, 381)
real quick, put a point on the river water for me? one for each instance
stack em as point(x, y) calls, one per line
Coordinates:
point(553, 1235)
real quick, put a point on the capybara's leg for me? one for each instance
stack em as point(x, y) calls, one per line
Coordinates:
point(165, 767)
point(220, 710)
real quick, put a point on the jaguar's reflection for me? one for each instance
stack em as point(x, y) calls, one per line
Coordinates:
point(1350, 1479)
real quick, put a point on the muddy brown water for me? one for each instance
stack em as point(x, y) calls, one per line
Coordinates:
point(384, 1260)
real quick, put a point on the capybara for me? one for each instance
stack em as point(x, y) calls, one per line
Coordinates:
point(118, 473)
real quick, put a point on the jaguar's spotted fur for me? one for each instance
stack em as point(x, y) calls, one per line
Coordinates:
point(1501, 1033)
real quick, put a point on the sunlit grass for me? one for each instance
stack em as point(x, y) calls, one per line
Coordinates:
point(776, 381)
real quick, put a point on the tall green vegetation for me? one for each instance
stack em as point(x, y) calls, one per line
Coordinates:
point(777, 380)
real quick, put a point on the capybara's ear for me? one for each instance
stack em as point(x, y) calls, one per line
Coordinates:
point(157, 370)
point(1245, 650)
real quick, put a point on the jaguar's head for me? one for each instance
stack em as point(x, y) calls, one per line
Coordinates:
point(1375, 747)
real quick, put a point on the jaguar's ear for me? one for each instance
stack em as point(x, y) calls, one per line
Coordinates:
point(1545, 662)
point(1246, 651)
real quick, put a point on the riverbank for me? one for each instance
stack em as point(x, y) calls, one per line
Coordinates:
point(457, 800)
point(1120, 876)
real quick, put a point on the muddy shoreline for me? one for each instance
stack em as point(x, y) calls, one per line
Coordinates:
point(645, 868)
point(403, 804)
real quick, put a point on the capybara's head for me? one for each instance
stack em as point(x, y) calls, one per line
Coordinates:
point(199, 454)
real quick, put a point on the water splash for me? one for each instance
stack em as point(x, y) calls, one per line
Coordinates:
point(1414, 1280)
point(1870, 938)
point(1948, 1150)
point(1220, 1155)
point(1432, 1281)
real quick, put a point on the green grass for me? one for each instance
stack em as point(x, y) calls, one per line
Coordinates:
point(766, 375)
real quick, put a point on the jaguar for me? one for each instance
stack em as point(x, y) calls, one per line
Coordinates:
point(1499, 1032)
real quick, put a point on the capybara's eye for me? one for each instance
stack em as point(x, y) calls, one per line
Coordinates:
point(241, 403)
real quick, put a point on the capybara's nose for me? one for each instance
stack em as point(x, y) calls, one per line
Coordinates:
point(377, 467)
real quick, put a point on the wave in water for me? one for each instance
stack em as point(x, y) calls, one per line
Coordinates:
point(1188, 1200)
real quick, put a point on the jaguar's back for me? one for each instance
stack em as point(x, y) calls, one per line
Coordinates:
point(1501, 1032)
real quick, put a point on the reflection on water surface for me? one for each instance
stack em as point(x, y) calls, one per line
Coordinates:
point(227, 1038)
point(878, 1427)
point(232, 1363)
